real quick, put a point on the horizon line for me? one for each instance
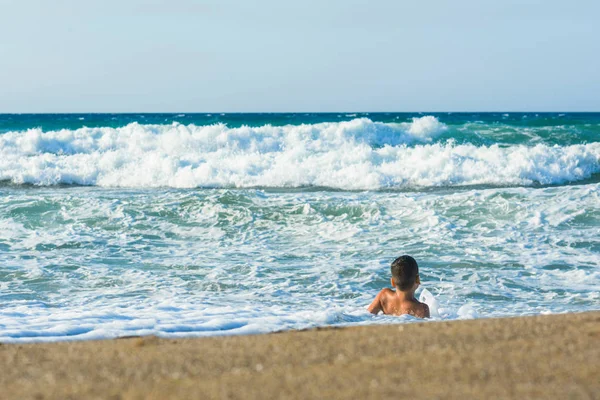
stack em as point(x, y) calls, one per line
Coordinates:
point(295, 112)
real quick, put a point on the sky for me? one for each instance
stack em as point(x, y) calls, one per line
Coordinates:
point(299, 56)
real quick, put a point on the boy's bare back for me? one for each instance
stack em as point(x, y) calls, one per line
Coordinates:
point(393, 303)
point(405, 279)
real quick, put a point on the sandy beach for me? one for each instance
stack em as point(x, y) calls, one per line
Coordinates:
point(555, 356)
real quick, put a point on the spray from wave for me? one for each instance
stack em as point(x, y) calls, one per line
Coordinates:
point(356, 155)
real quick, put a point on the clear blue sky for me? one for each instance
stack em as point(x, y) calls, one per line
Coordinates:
point(277, 55)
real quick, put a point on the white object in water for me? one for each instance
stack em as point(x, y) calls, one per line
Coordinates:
point(427, 298)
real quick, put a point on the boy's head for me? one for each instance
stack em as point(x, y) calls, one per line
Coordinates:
point(405, 273)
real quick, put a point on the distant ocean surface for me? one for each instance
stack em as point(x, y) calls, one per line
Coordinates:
point(208, 224)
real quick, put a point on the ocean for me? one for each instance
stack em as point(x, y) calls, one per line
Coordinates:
point(183, 225)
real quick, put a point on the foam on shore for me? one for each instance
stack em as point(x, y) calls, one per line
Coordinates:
point(533, 357)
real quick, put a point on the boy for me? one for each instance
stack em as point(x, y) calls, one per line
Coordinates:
point(405, 278)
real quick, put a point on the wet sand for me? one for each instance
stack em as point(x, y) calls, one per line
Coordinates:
point(545, 357)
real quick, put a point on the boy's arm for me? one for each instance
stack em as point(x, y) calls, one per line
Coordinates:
point(376, 306)
point(425, 311)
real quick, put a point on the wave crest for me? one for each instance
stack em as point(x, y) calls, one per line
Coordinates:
point(357, 154)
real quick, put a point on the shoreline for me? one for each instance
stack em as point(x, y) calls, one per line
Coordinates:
point(549, 356)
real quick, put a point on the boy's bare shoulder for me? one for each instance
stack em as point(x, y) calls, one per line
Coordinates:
point(424, 312)
point(385, 293)
point(381, 301)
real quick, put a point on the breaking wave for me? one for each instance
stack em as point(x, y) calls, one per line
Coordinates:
point(356, 155)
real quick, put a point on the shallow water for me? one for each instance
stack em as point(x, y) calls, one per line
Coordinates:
point(192, 230)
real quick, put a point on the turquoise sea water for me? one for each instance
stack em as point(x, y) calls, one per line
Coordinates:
point(207, 224)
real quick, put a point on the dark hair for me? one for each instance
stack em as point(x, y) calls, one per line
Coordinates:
point(404, 272)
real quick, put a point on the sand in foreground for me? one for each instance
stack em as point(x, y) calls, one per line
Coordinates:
point(555, 356)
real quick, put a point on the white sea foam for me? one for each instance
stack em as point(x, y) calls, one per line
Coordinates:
point(425, 127)
point(88, 263)
point(357, 154)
